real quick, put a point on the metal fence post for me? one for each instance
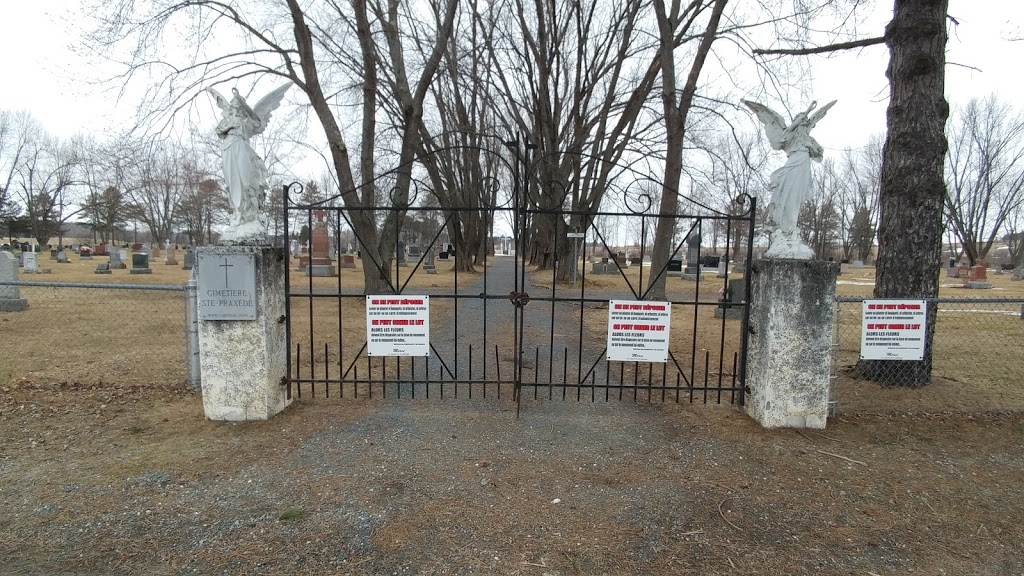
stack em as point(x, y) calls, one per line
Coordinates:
point(837, 331)
point(192, 331)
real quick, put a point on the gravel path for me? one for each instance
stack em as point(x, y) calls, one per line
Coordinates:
point(136, 483)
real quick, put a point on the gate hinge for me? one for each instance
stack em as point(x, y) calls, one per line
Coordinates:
point(519, 299)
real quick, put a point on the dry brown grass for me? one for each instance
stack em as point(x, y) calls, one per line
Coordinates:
point(90, 336)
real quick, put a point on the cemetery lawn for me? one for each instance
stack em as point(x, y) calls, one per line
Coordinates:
point(130, 479)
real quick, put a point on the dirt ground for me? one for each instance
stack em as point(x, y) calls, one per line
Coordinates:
point(132, 480)
point(125, 476)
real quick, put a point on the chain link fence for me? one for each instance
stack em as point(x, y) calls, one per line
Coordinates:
point(976, 361)
point(90, 334)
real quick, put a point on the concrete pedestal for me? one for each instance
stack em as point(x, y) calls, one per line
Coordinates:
point(789, 358)
point(244, 362)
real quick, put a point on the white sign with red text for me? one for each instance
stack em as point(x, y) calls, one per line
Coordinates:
point(398, 325)
point(638, 331)
point(893, 329)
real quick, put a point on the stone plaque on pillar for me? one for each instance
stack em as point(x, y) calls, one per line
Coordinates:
point(227, 286)
point(243, 363)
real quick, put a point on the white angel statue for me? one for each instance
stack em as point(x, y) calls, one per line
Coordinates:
point(245, 174)
point(790, 184)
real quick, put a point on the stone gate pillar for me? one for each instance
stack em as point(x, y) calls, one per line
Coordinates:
point(242, 351)
point(790, 346)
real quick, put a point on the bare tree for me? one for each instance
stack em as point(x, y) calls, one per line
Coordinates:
point(45, 181)
point(587, 72)
point(330, 50)
point(673, 22)
point(861, 175)
point(202, 204)
point(819, 220)
point(162, 178)
point(985, 173)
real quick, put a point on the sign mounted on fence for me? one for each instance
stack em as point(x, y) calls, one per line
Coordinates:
point(398, 325)
point(893, 329)
point(638, 331)
point(227, 286)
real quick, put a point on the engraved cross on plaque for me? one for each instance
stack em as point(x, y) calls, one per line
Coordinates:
point(225, 266)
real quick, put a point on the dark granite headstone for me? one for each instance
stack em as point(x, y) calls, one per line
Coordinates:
point(140, 264)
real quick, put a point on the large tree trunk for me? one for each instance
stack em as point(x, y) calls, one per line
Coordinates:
point(675, 128)
point(913, 184)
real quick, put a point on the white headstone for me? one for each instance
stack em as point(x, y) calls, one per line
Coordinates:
point(10, 296)
point(31, 262)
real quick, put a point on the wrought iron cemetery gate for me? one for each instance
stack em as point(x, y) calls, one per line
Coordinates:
point(444, 317)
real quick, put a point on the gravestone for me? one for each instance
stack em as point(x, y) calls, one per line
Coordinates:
point(347, 261)
point(294, 248)
point(977, 278)
point(428, 262)
point(400, 254)
point(31, 262)
point(10, 296)
point(115, 262)
point(21, 259)
point(735, 293)
point(318, 263)
point(723, 268)
point(155, 252)
point(137, 247)
point(172, 257)
point(190, 259)
point(675, 265)
point(101, 250)
point(103, 269)
point(53, 254)
point(857, 264)
point(635, 261)
point(598, 268)
point(414, 251)
point(62, 257)
point(692, 270)
point(1017, 274)
point(140, 264)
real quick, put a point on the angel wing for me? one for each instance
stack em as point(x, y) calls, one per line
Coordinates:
point(819, 114)
point(222, 102)
point(268, 104)
point(774, 124)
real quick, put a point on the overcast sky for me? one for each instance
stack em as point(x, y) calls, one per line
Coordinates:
point(38, 64)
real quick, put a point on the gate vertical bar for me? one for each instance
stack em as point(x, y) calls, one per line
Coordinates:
point(745, 323)
point(287, 289)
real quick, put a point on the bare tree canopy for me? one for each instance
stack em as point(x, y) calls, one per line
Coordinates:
point(985, 173)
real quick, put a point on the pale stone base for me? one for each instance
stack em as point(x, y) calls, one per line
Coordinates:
point(141, 271)
point(13, 304)
point(244, 363)
point(978, 285)
point(790, 346)
point(248, 234)
point(788, 246)
point(321, 270)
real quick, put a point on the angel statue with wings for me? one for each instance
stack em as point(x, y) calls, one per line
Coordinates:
point(245, 174)
point(790, 184)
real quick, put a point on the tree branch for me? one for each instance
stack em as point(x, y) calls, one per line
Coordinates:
point(820, 49)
